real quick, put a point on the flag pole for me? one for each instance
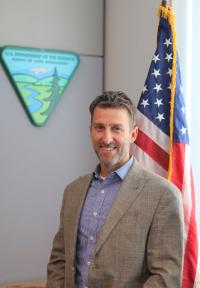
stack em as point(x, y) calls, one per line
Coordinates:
point(167, 3)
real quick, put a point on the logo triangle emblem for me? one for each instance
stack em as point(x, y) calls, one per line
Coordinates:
point(39, 77)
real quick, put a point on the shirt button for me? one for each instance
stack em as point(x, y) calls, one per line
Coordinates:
point(91, 238)
point(88, 263)
point(102, 191)
point(95, 213)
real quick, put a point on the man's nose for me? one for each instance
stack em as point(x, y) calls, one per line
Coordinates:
point(107, 136)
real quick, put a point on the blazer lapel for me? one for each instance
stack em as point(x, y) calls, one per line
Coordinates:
point(74, 201)
point(131, 186)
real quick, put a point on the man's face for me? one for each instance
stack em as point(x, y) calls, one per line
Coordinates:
point(111, 136)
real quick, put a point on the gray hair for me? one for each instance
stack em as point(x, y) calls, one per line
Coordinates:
point(114, 99)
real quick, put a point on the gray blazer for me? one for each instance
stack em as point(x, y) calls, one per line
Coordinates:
point(141, 242)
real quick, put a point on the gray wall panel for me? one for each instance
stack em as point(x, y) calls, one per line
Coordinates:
point(35, 166)
point(62, 24)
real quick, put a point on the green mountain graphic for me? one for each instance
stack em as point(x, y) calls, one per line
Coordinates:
point(39, 77)
point(48, 81)
point(24, 78)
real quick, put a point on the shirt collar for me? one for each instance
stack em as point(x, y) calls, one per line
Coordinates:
point(121, 172)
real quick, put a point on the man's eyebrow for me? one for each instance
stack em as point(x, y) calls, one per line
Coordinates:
point(98, 123)
point(117, 124)
point(112, 124)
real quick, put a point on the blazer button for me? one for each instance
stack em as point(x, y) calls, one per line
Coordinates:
point(72, 268)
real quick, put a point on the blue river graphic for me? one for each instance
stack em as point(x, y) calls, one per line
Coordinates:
point(32, 97)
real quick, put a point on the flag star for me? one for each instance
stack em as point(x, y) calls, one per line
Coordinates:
point(183, 130)
point(183, 110)
point(157, 87)
point(170, 86)
point(181, 89)
point(145, 102)
point(158, 102)
point(156, 58)
point(160, 117)
point(156, 73)
point(168, 57)
point(167, 42)
point(144, 89)
point(169, 72)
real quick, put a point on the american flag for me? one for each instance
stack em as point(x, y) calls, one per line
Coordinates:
point(162, 144)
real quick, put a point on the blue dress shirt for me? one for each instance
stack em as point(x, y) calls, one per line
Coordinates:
point(100, 196)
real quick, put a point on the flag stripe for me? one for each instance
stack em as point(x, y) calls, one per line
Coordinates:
point(147, 161)
point(152, 149)
point(186, 190)
point(191, 249)
point(178, 160)
point(149, 128)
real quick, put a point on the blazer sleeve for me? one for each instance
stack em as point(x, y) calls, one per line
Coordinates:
point(165, 242)
point(56, 265)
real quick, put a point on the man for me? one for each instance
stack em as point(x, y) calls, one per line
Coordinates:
point(122, 226)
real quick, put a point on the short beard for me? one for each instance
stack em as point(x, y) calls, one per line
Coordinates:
point(110, 165)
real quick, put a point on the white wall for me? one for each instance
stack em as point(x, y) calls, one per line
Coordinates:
point(188, 40)
point(195, 101)
point(37, 163)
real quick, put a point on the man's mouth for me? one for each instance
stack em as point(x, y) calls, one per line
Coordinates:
point(107, 149)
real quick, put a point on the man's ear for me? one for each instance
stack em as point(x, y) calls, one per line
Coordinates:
point(134, 134)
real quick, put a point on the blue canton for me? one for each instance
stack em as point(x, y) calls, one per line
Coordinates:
point(154, 102)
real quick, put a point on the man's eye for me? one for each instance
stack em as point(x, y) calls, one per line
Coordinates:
point(116, 129)
point(98, 128)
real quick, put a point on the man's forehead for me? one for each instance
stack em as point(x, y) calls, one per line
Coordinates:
point(110, 112)
point(110, 116)
point(110, 108)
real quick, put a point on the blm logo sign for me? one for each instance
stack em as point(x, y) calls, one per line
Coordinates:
point(39, 77)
